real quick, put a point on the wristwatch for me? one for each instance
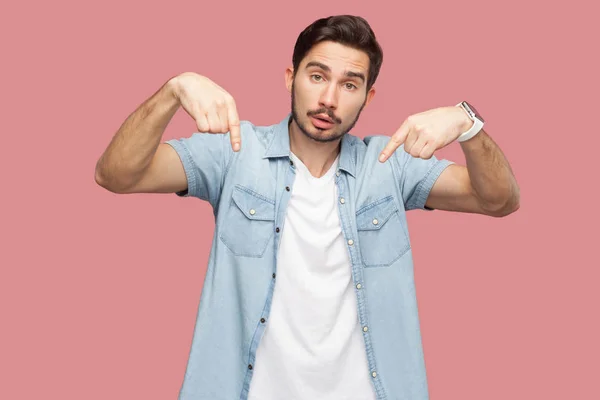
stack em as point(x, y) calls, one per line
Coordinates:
point(475, 117)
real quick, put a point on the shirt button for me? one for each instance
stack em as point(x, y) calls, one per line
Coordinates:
point(252, 212)
point(250, 366)
point(262, 320)
point(287, 188)
point(273, 275)
point(358, 286)
point(374, 374)
point(375, 222)
point(366, 328)
point(338, 173)
point(350, 242)
point(277, 229)
point(342, 200)
point(291, 162)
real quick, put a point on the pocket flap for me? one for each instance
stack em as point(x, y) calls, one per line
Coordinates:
point(372, 216)
point(253, 205)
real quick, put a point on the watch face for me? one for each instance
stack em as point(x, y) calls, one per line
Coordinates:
point(474, 111)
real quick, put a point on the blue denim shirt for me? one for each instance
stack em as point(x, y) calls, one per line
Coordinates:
point(249, 192)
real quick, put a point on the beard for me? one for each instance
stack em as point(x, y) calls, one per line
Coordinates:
point(338, 130)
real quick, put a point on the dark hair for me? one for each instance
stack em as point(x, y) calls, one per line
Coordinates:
point(349, 30)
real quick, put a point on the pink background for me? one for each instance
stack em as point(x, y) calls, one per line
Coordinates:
point(99, 292)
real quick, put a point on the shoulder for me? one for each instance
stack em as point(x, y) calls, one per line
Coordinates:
point(259, 135)
point(369, 147)
point(376, 142)
point(370, 143)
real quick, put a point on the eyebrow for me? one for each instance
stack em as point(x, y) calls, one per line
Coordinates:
point(325, 68)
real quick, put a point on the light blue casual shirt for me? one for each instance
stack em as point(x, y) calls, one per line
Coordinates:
point(249, 192)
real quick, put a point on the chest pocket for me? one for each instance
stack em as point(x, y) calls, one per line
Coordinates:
point(249, 223)
point(381, 235)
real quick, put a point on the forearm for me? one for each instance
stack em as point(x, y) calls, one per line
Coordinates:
point(490, 174)
point(133, 146)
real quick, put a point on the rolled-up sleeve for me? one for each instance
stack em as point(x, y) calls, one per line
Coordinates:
point(417, 177)
point(205, 158)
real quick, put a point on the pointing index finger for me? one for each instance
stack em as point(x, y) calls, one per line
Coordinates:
point(395, 141)
point(234, 127)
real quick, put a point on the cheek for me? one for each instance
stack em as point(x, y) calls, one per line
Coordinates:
point(351, 107)
point(307, 93)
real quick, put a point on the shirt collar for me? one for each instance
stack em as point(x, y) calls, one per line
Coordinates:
point(280, 146)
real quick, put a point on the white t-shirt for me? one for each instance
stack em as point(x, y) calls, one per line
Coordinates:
point(312, 347)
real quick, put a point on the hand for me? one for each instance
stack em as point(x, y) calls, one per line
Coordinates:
point(212, 107)
point(424, 133)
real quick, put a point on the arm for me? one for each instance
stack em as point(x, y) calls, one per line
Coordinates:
point(137, 162)
point(485, 186)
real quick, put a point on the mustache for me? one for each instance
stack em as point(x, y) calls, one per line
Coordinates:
point(326, 111)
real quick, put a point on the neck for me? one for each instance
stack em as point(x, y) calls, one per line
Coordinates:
point(316, 156)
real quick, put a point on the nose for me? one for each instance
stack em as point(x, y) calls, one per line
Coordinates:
point(329, 97)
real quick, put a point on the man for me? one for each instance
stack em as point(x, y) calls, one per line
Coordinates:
point(309, 291)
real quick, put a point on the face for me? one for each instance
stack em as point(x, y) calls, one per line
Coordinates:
point(329, 90)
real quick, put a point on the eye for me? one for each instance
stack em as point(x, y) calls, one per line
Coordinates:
point(350, 86)
point(315, 76)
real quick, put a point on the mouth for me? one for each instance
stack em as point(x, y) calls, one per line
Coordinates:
point(322, 121)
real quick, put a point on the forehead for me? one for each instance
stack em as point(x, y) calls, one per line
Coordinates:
point(338, 57)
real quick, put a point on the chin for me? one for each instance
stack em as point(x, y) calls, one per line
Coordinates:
point(321, 135)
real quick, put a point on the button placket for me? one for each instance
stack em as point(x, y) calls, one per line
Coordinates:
point(350, 243)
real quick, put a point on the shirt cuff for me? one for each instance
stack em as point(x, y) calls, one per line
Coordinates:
point(427, 183)
point(188, 166)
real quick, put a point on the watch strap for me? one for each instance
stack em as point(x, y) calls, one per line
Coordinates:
point(475, 128)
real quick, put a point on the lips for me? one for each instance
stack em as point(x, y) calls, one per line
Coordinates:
point(319, 123)
point(322, 122)
point(324, 118)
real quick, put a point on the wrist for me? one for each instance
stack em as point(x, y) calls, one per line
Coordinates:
point(474, 124)
point(172, 86)
point(466, 123)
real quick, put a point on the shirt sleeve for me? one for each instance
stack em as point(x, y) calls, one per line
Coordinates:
point(205, 158)
point(417, 177)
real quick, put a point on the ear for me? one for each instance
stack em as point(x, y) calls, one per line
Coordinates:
point(370, 95)
point(289, 78)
